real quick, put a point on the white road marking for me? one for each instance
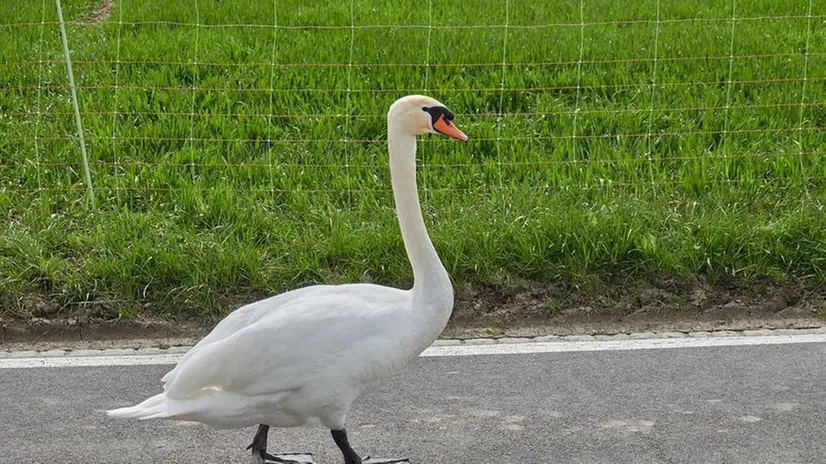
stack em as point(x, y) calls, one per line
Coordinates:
point(621, 345)
point(156, 357)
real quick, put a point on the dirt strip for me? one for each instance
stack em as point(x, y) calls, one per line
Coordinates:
point(510, 309)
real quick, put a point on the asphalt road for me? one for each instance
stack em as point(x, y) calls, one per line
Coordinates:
point(730, 404)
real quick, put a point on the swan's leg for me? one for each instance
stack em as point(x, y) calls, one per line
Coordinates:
point(259, 448)
point(350, 455)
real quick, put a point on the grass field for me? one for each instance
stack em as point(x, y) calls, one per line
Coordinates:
point(233, 158)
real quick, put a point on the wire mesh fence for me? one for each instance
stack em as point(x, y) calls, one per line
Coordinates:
point(288, 96)
point(238, 148)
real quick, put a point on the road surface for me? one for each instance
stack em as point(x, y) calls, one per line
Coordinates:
point(762, 403)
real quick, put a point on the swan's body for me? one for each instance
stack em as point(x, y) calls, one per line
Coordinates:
point(298, 358)
point(302, 357)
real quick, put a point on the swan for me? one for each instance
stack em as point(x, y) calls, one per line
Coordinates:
point(302, 357)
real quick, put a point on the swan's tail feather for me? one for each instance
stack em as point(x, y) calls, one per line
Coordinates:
point(214, 408)
point(152, 408)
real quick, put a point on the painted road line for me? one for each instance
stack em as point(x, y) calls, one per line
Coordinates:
point(137, 358)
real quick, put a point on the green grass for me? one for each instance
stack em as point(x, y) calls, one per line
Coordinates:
point(211, 187)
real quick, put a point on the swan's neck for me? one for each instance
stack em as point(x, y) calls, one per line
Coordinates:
point(432, 289)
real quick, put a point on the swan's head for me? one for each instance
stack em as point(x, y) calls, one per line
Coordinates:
point(423, 115)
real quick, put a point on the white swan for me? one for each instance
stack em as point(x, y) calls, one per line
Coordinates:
point(304, 356)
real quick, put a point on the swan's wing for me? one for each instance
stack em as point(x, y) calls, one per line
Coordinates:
point(308, 339)
point(244, 317)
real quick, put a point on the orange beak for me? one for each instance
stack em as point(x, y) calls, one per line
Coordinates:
point(447, 128)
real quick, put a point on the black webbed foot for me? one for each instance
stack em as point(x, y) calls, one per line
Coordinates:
point(288, 458)
point(350, 455)
point(261, 456)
